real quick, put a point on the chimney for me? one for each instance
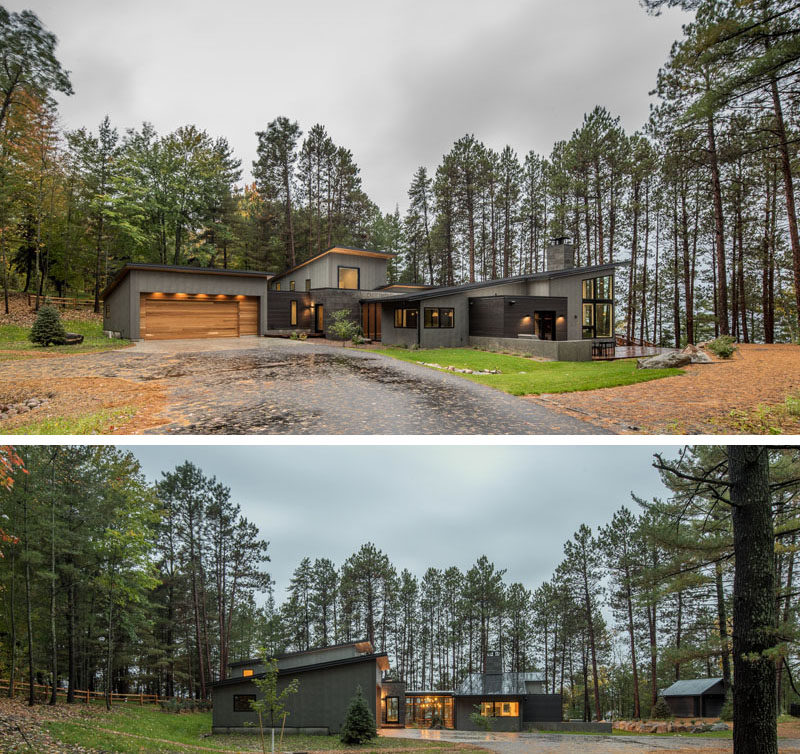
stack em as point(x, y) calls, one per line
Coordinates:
point(494, 665)
point(560, 255)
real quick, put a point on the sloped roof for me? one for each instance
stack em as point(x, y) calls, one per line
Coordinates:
point(497, 684)
point(693, 687)
point(346, 250)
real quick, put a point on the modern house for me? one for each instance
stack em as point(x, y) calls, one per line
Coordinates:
point(328, 679)
point(699, 697)
point(565, 313)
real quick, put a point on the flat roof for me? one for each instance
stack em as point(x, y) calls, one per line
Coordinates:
point(339, 250)
point(146, 266)
point(454, 289)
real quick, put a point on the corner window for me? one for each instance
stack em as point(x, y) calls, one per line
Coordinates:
point(500, 709)
point(597, 318)
point(291, 285)
point(308, 284)
point(392, 709)
point(241, 702)
point(406, 318)
point(349, 278)
point(293, 313)
point(438, 318)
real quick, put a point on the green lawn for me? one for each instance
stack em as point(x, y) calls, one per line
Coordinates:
point(15, 338)
point(523, 376)
point(95, 423)
point(151, 731)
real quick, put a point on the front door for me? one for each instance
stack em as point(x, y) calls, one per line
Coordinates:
point(544, 324)
point(319, 315)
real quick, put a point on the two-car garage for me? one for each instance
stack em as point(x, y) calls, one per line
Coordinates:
point(160, 302)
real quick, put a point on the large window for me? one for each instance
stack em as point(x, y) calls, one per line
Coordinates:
point(241, 702)
point(597, 318)
point(349, 278)
point(424, 711)
point(293, 313)
point(500, 709)
point(438, 318)
point(392, 709)
point(406, 318)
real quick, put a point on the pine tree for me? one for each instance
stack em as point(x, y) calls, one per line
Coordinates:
point(359, 723)
point(47, 329)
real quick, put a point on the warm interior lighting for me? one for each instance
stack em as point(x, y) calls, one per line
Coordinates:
point(201, 295)
point(247, 672)
point(239, 296)
point(181, 295)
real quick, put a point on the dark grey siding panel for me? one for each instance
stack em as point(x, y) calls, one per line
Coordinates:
point(321, 702)
point(395, 336)
point(486, 316)
point(117, 310)
point(684, 706)
point(498, 317)
point(542, 708)
point(278, 317)
point(712, 705)
point(335, 300)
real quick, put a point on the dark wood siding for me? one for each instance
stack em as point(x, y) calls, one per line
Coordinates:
point(279, 310)
point(497, 317)
point(545, 708)
point(684, 706)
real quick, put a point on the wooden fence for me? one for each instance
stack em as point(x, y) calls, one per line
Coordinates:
point(60, 301)
point(43, 691)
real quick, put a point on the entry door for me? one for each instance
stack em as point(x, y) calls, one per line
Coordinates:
point(319, 314)
point(545, 325)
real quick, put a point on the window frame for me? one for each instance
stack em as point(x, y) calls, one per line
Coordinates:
point(403, 318)
point(396, 719)
point(277, 286)
point(593, 303)
point(439, 310)
point(308, 284)
point(237, 701)
point(339, 269)
point(291, 285)
point(496, 709)
point(293, 313)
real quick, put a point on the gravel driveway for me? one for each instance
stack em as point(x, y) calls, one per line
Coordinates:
point(563, 743)
point(274, 386)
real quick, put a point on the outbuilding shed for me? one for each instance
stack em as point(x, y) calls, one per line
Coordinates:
point(698, 697)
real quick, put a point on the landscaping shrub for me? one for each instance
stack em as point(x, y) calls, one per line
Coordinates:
point(47, 328)
point(724, 346)
point(726, 713)
point(661, 710)
point(481, 722)
point(342, 325)
point(359, 722)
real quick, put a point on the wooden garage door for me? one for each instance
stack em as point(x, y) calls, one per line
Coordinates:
point(248, 316)
point(163, 319)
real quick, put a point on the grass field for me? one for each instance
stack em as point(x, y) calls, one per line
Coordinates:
point(14, 343)
point(523, 376)
point(136, 730)
point(87, 424)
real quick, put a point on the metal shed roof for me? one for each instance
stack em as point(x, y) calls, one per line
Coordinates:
point(497, 684)
point(693, 687)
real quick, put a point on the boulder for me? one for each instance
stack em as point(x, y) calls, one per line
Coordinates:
point(665, 361)
point(701, 728)
point(701, 357)
point(719, 726)
point(72, 339)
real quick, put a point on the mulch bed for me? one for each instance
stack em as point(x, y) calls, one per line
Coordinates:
point(700, 401)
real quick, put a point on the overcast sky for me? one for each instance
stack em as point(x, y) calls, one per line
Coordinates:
point(423, 506)
point(395, 82)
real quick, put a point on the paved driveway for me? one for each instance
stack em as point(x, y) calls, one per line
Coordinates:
point(274, 386)
point(563, 743)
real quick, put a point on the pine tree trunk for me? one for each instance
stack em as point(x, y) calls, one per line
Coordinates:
point(722, 618)
point(754, 610)
point(719, 231)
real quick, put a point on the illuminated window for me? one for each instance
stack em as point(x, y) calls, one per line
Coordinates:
point(308, 284)
point(392, 709)
point(293, 313)
point(597, 319)
point(247, 672)
point(291, 285)
point(241, 702)
point(349, 278)
point(500, 709)
point(438, 318)
point(407, 318)
point(277, 286)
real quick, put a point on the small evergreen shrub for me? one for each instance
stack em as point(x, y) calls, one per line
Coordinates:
point(481, 722)
point(47, 328)
point(726, 713)
point(661, 710)
point(724, 346)
point(342, 325)
point(359, 723)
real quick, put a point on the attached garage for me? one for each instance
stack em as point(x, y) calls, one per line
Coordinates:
point(161, 302)
point(168, 316)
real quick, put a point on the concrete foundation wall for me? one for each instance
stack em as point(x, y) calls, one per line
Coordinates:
point(556, 350)
point(568, 727)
